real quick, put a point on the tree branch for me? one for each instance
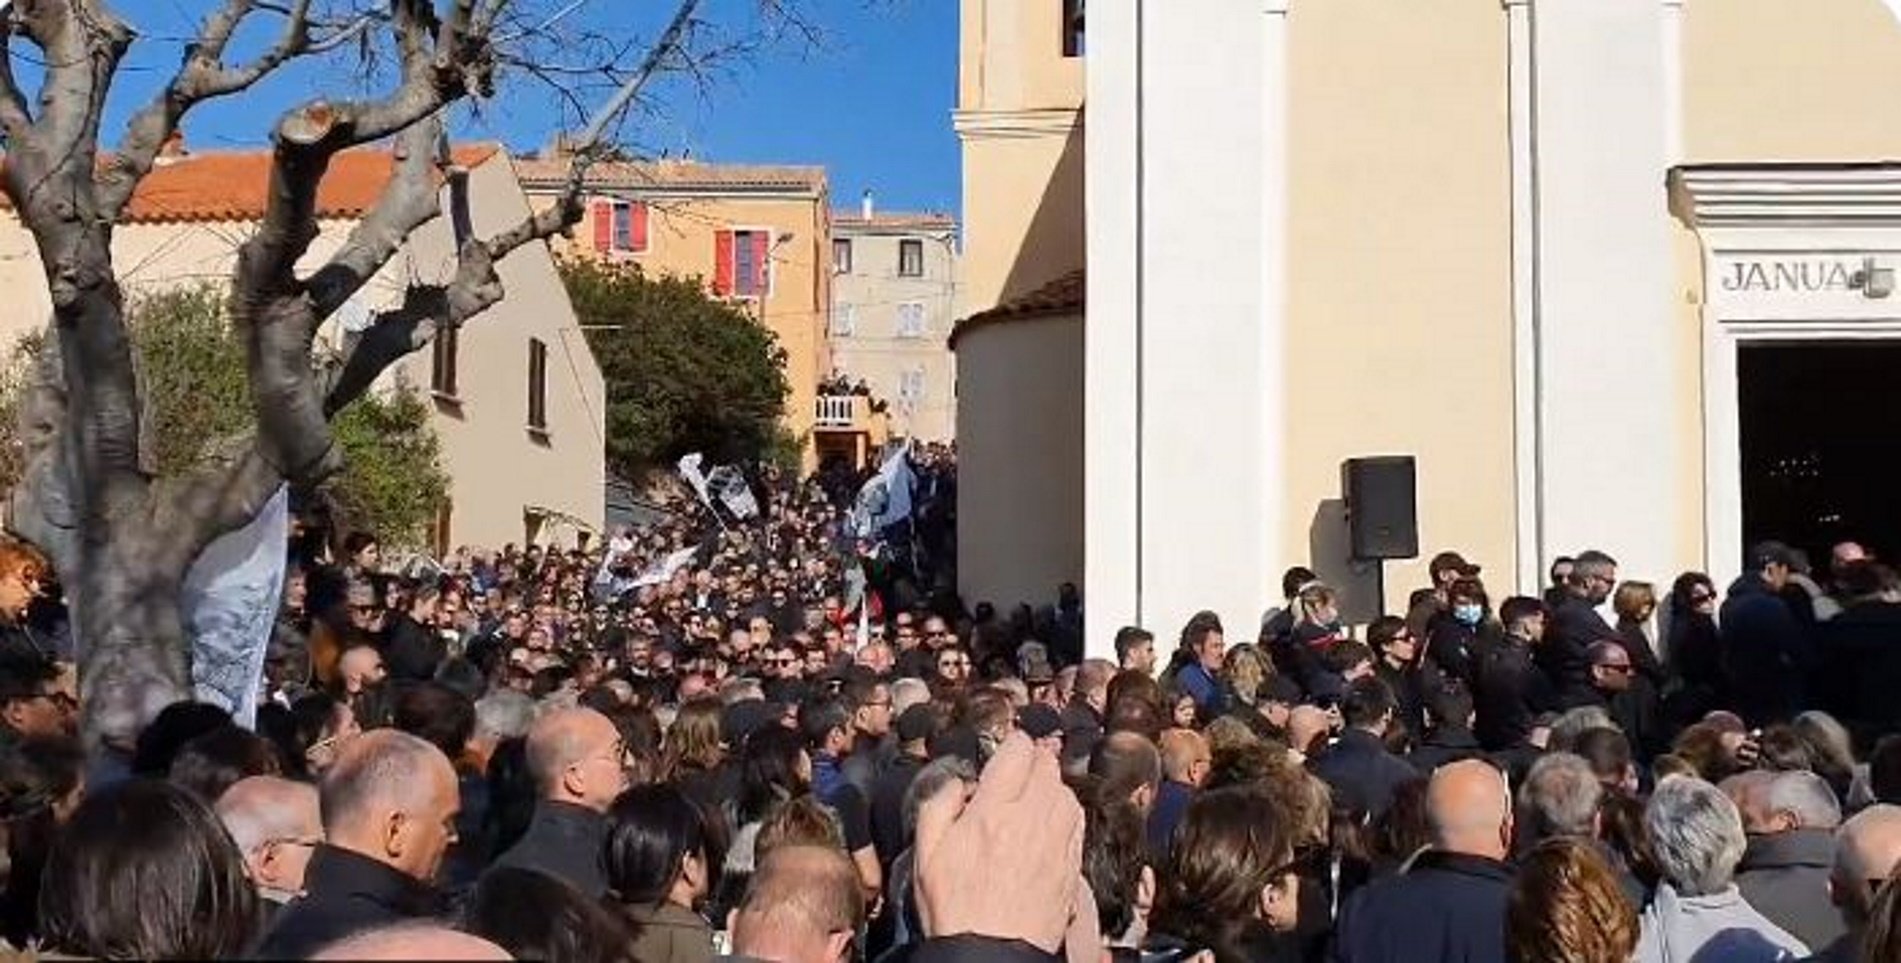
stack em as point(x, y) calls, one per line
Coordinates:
point(409, 201)
point(15, 118)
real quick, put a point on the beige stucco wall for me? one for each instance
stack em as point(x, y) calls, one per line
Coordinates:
point(496, 468)
point(1771, 80)
point(1399, 333)
point(681, 242)
point(1020, 460)
point(1019, 116)
point(873, 348)
point(1010, 57)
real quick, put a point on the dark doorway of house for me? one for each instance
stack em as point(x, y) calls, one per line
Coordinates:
point(1821, 440)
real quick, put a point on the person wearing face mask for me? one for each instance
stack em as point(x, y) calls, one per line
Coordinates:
point(1458, 638)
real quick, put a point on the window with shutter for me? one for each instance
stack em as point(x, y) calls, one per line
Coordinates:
point(537, 385)
point(640, 214)
point(844, 320)
point(841, 255)
point(910, 258)
point(623, 226)
point(911, 319)
point(443, 363)
point(723, 244)
point(602, 213)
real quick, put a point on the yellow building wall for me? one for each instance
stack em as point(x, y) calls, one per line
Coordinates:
point(681, 242)
point(1770, 80)
point(1399, 334)
point(1019, 116)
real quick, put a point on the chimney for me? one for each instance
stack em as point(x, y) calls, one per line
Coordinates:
point(866, 205)
point(173, 149)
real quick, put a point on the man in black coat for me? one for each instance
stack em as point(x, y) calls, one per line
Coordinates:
point(389, 806)
point(1449, 907)
point(578, 763)
point(1766, 654)
point(1362, 773)
point(1511, 690)
point(1575, 624)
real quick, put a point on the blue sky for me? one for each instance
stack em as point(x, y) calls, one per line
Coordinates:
point(871, 102)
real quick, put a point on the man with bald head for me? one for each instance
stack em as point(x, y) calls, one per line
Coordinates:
point(1186, 760)
point(1450, 906)
point(412, 941)
point(388, 804)
point(802, 905)
point(1867, 849)
point(578, 763)
point(277, 825)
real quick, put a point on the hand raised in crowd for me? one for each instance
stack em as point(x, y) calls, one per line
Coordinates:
point(1006, 864)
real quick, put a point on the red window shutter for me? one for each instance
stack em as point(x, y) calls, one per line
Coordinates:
point(640, 226)
point(603, 226)
point(723, 263)
point(760, 269)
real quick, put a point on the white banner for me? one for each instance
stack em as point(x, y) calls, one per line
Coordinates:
point(230, 601)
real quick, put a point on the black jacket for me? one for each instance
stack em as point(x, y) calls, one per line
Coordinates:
point(1765, 652)
point(1444, 746)
point(564, 841)
point(413, 650)
point(1564, 655)
point(1362, 773)
point(1412, 688)
point(887, 807)
point(344, 893)
point(1448, 908)
point(1785, 878)
point(1860, 663)
point(1510, 693)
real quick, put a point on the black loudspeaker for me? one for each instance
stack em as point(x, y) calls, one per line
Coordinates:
point(1382, 509)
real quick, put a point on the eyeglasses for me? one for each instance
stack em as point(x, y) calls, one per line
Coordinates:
point(60, 700)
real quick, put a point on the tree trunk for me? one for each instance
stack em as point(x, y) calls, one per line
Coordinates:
point(134, 655)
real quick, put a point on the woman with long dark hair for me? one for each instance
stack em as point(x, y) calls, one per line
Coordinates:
point(660, 863)
point(144, 871)
point(1231, 885)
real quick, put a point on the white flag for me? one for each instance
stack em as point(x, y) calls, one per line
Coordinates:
point(231, 596)
point(690, 470)
point(661, 571)
point(730, 485)
point(885, 499)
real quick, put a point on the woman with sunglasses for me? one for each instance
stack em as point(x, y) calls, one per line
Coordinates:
point(1693, 651)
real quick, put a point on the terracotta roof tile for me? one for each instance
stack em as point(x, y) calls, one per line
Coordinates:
point(912, 220)
point(1065, 295)
point(231, 185)
point(674, 174)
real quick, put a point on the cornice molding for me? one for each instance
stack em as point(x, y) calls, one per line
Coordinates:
point(1040, 122)
point(1787, 195)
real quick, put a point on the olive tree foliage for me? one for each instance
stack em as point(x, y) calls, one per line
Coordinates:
point(122, 534)
point(192, 379)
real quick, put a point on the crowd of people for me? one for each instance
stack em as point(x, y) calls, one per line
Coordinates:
point(782, 738)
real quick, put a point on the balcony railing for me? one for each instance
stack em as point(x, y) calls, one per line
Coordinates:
point(841, 411)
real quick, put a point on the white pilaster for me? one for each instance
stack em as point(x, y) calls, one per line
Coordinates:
point(1673, 81)
point(1113, 426)
point(1212, 305)
point(1608, 372)
point(1531, 554)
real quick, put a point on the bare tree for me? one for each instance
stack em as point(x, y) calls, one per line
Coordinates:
point(120, 537)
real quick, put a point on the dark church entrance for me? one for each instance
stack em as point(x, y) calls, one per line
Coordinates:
point(1821, 444)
